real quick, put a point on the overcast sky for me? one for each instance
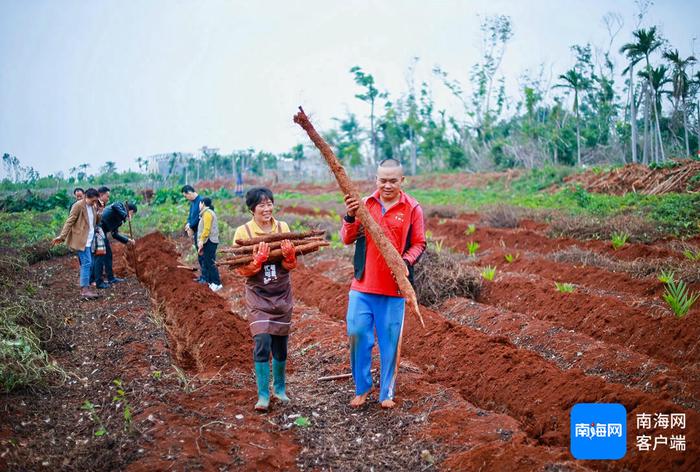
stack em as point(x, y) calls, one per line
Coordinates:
point(93, 80)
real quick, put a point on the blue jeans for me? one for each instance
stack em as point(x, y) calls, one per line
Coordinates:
point(85, 258)
point(368, 312)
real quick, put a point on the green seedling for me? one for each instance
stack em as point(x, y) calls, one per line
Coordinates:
point(693, 256)
point(121, 399)
point(510, 258)
point(488, 273)
point(564, 287)
point(472, 247)
point(437, 245)
point(94, 417)
point(666, 276)
point(156, 374)
point(442, 221)
point(679, 298)
point(428, 235)
point(619, 240)
point(302, 422)
point(471, 229)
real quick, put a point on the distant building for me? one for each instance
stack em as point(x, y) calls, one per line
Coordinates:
point(311, 169)
point(171, 163)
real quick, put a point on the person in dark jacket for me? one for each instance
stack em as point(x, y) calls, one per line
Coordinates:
point(98, 252)
point(113, 217)
point(192, 225)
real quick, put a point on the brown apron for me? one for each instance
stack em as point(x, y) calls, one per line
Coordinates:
point(268, 295)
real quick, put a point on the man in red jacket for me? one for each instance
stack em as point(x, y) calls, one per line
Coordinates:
point(374, 301)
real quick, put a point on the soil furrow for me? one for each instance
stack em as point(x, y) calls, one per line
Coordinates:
point(601, 317)
point(494, 374)
point(571, 350)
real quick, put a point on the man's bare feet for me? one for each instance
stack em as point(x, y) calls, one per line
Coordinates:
point(359, 400)
point(388, 404)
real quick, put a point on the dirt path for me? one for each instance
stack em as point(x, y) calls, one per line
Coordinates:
point(182, 419)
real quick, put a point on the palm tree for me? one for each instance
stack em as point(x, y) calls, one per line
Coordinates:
point(83, 171)
point(576, 82)
point(634, 57)
point(696, 83)
point(657, 79)
point(647, 42)
point(142, 163)
point(110, 167)
point(680, 81)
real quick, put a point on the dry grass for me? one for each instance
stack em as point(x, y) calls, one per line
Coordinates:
point(687, 270)
point(590, 227)
point(441, 211)
point(502, 216)
point(444, 275)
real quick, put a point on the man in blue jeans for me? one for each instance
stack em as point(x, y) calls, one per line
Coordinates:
point(375, 304)
point(193, 223)
point(78, 232)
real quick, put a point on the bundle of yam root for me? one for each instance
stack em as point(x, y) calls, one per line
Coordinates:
point(304, 243)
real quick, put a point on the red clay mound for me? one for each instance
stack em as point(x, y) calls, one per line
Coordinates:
point(193, 313)
point(642, 179)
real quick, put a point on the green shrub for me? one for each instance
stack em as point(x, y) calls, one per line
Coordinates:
point(167, 195)
point(33, 201)
point(122, 194)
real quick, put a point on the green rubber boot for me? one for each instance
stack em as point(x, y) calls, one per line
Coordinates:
point(278, 380)
point(262, 378)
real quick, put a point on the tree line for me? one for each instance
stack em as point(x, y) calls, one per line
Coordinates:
point(639, 102)
point(646, 110)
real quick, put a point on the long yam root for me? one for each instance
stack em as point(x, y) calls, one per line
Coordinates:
point(269, 238)
point(239, 250)
point(275, 256)
point(386, 249)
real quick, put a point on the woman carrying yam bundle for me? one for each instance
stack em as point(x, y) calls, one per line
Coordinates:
point(268, 295)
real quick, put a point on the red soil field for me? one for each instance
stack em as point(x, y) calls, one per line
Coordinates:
point(507, 367)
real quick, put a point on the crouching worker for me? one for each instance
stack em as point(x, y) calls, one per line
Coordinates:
point(78, 232)
point(113, 216)
point(207, 241)
point(268, 296)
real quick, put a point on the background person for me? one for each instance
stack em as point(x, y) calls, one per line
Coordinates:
point(113, 217)
point(77, 232)
point(99, 249)
point(208, 240)
point(193, 223)
point(78, 193)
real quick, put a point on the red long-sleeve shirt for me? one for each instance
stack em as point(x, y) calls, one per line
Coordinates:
point(405, 215)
